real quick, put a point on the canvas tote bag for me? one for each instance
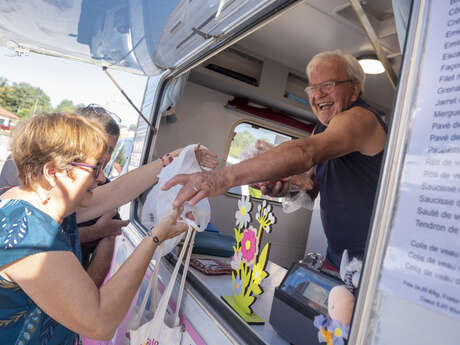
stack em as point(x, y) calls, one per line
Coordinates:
point(164, 329)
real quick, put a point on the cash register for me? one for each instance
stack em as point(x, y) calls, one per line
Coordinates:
point(301, 296)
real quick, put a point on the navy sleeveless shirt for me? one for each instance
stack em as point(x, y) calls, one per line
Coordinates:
point(347, 187)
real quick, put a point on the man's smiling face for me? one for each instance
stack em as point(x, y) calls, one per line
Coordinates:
point(326, 104)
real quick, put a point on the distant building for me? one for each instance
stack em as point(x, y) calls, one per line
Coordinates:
point(7, 119)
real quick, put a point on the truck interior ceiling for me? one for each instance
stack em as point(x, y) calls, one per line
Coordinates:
point(256, 88)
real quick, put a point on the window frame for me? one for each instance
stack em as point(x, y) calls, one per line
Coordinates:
point(269, 126)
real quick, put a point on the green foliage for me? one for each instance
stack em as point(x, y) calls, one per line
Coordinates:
point(24, 99)
point(67, 106)
point(238, 237)
point(240, 142)
point(121, 157)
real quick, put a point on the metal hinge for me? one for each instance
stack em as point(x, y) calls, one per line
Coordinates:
point(206, 36)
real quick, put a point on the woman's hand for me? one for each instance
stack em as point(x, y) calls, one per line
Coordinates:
point(169, 227)
point(206, 158)
point(106, 225)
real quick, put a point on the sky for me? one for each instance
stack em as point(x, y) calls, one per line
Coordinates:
point(78, 81)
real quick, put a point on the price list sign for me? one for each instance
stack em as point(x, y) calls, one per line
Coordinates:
point(422, 263)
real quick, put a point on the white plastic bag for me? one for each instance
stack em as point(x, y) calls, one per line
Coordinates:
point(297, 201)
point(159, 203)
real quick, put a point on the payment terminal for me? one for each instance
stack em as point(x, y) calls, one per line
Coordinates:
point(301, 296)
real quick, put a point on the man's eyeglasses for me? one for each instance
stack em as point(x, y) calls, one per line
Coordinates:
point(96, 168)
point(325, 86)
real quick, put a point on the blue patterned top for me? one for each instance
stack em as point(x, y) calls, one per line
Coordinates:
point(25, 230)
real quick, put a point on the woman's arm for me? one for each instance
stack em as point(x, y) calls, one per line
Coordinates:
point(101, 260)
point(129, 186)
point(104, 226)
point(59, 285)
point(120, 191)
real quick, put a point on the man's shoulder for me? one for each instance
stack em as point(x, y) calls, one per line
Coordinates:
point(363, 115)
point(369, 129)
point(367, 110)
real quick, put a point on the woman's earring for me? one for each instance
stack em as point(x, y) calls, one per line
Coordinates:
point(48, 196)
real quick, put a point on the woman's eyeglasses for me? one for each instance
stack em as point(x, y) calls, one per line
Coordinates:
point(96, 168)
point(100, 111)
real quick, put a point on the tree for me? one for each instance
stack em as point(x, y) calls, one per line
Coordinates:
point(23, 99)
point(67, 106)
point(240, 142)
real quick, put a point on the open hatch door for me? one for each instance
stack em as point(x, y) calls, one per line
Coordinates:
point(139, 36)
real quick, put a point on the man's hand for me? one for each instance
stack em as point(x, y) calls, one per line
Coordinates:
point(281, 188)
point(196, 187)
point(278, 188)
point(302, 182)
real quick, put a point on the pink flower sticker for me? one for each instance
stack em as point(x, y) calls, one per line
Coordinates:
point(249, 245)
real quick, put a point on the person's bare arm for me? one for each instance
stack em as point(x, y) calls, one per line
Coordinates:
point(119, 192)
point(129, 186)
point(59, 285)
point(105, 226)
point(353, 130)
point(101, 260)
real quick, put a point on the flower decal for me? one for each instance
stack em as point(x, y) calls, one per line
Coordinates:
point(339, 332)
point(265, 216)
point(321, 321)
point(249, 245)
point(331, 331)
point(247, 263)
point(236, 261)
point(238, 286)
point(258, 273)
point(242, 215)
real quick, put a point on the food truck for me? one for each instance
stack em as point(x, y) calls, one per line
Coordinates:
point(224, 71)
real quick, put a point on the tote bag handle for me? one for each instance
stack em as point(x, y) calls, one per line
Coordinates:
point(162, 307)
point(153, 285)
point(184, 277)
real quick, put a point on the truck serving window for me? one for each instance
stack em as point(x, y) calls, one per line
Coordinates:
point(248, 140)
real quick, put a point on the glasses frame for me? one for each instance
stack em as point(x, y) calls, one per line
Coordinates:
point(96, 108)
point(96, 168)
point(329, 84)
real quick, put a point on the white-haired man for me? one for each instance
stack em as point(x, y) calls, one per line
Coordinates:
point(345, 151)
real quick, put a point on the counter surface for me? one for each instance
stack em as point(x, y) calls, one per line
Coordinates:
point(219, 285)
